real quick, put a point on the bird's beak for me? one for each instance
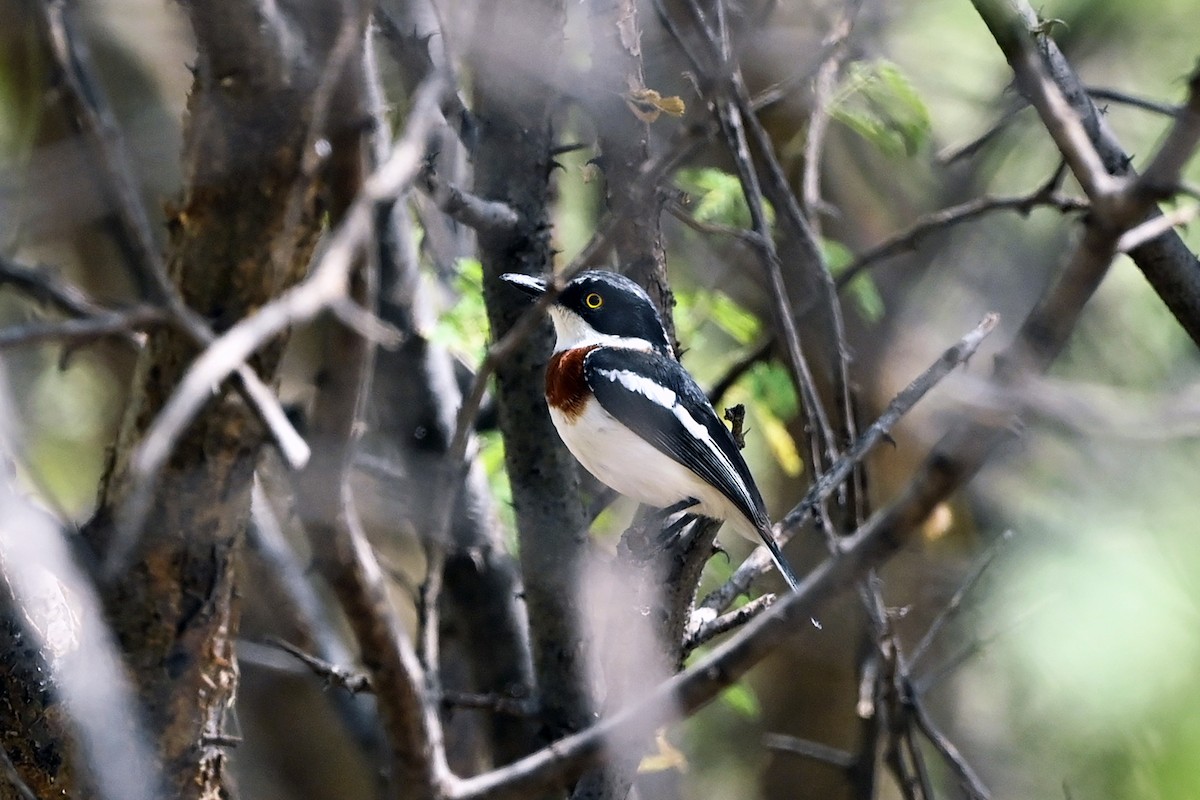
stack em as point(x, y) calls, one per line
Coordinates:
point(534, 287)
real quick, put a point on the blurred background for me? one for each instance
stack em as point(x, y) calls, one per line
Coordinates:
point(1071, 667)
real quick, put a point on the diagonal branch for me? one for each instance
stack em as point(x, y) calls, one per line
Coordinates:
point(905, 241)
point(1167, 262)
point(759, 562)
point(327, 284)
point(88, 104)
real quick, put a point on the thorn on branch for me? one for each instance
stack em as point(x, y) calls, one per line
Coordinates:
point(351, 680)
point(485, 216)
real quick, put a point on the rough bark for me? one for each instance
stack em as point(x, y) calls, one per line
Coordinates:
point(624, 142)
point(243, 231)
point(515, 52)
point(412, 423)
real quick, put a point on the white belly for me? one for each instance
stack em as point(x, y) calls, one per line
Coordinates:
point(635, 468)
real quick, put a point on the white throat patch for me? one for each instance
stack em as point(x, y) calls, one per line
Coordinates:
point(573, 332)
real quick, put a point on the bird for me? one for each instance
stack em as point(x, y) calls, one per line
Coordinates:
point(633, 416)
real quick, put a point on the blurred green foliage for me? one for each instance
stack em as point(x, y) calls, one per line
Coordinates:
point(716, 196)
point(462, 327)
point(878, 102)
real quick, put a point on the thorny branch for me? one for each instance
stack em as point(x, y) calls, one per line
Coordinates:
point(88, 319)
point(759, 561)
point(1047, 195)
point(85, 99)
point(326, 285)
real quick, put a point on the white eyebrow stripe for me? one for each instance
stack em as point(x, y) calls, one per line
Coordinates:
point(668, 399)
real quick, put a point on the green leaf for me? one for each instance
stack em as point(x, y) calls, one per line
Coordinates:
point(463, 328)
point(877, 101)
point(742, 699)
point(770, 386)
point(862, 290)
point(741, 325)
point(866, 296)
point(716, 196)
point(779, 441)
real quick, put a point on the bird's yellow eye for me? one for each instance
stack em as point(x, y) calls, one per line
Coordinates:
point(593, 300)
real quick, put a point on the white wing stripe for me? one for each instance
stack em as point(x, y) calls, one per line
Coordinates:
point(668, 399)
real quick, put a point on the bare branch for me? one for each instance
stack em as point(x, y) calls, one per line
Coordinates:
point(1154, 227)
point(471, 210)
point(42, 285)
point(1045, 196)
point(1060, 120)
point(818, 119)
point(326, 285)
point(1177, 149)
point(753, 357)
point(886, 532)
point(1167, 262)
point(1115, 96)
point(759, 563)
point(352, 681)
point(87, 101)
point(954, 605)
point(967, 777)
point(83, 330)
point(816, 751)
point(701, 631)
point(511, 706)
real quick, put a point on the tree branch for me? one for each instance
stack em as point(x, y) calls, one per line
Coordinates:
point(759, 562)
point(326, 285)
point(85, 98)
point(1167, 262)
point(1045, 196)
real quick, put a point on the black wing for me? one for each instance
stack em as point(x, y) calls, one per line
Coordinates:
point(655, 397)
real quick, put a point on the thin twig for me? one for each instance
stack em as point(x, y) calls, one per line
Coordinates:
point(82, 330)
point(724, 90)
point(1157, 226)
point(1060, 121)
point(951, 155)
point(967, 777)
point(44, 286)
point(977, 644)
point(701, 631)
point(490, 216)
point(822, 753)
point(1115, 96)
point(928, 224)
point(351, 680)
point(691, 689)
point(756, 565)
point(819, 116)
point(752, 358)
point(680, 212)
point(952, 607)
point(497, 704)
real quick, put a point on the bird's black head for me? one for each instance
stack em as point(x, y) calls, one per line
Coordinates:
point(599, 307)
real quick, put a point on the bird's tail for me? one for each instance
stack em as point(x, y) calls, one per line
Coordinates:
point(785, 569)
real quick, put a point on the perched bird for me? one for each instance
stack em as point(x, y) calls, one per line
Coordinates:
point(633, 416)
